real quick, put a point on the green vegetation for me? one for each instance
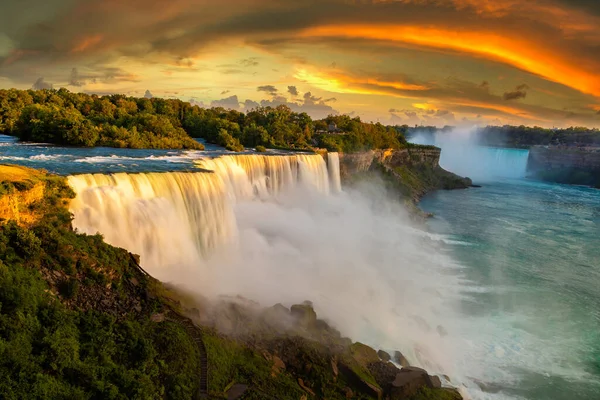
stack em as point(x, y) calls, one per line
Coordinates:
point(68, 325)
point(526, 136)
point(78, 119)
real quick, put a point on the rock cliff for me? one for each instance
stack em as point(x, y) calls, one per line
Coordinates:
point(414, 170)
point(565, 164)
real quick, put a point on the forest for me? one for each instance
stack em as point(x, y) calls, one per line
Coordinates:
point(78, 119)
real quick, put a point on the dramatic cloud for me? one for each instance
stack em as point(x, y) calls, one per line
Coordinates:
point(520, 92)
point(346, 49)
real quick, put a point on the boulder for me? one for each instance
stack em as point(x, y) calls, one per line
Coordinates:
point(364, 354)
point(401, 360)
point(408, 382)
point(435, 382)
point(384, 355)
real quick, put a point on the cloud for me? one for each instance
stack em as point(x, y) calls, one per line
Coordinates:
point(249, 62)
point(485, 85)
point(40, 84)
point(229, 103)
point(520, 92)
point(393, 110)
point(75, 79)
point(270, 89)
point(293, 91)
point(250, 105)
point(225, 92)
point(148, 94)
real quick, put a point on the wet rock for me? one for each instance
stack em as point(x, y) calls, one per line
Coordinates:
point(385, 356)
point(408, 382)
point(364, 354)
point(435, 382)
point(401, 360)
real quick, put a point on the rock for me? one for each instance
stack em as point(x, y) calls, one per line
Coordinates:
point(359, 382)
point(364, 354)
point(278, 366)
point(384, 373)
point(435, 382)
point(349, 393)
point(401, 360)
point(304, 387)
point(334, 367)
point(236, 391)
point(157, 317)
point(408, 382)
point(384, 355)
point(304, 314)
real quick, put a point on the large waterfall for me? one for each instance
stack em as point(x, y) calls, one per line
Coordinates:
point(268, 229)
point(462, 155)
point(177, 218)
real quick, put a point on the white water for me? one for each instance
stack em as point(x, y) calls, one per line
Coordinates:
point(267, 228)
point(462, 155)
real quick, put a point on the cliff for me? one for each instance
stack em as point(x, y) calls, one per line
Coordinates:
point(565, 164)
point(414, 171)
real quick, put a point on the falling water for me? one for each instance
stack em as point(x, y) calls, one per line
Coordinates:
point(168, 218)
point(333, 163)
point(176, 219)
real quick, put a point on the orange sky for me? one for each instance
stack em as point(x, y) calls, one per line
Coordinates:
point(457, 62)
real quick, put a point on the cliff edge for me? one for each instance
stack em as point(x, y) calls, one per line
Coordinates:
point(565, 164)
point(414, 170)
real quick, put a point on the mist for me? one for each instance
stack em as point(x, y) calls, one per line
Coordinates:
point(355, 254)
point(462, 154)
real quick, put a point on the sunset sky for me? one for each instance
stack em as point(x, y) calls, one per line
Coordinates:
point(432, 62)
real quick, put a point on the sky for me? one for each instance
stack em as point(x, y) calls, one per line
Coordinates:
point(430, 62)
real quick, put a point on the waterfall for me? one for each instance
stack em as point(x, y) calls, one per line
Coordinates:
point(249, 176)
point(333, 164)
point(168, 218)
point(176, 219)
point(462, 155)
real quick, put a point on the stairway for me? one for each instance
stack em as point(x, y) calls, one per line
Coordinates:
point(195, 332)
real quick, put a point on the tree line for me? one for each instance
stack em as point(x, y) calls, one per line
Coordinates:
point(78, 119)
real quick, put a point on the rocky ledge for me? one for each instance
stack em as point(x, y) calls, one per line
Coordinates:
point(414, 171)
